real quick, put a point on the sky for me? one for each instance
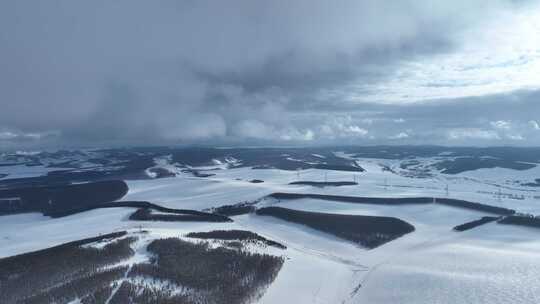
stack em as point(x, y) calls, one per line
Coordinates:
point(281, 72)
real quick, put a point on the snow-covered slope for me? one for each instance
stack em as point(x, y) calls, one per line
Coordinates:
point(492, 263)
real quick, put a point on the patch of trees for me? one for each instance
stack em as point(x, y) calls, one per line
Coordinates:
point(56, 178)
point(63, 273)
point(239, 235)
point(355, 199)
point(396, 201)
point(145, 214)
point(147, 205)
point(262, 167)
point(256, 181)
point(95, 287)
point(475, 206)
point(522, 220)
point(179, 272)
point(475, 223)
point(368, 231)
point(131, 292)
point(52, 199)
point(218, 275)
point(324, 184)
point(236, 209)
point(463, 164)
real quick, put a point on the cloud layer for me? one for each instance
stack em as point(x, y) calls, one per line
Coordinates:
point(245, 72)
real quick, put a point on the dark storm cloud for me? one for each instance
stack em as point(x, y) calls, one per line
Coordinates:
point(91, 72)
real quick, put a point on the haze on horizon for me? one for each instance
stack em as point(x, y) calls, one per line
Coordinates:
point(278, 72)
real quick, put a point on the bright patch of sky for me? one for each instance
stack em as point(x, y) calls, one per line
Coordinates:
point(501, 54)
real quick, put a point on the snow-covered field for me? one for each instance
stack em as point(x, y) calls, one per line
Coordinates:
point(490, 264)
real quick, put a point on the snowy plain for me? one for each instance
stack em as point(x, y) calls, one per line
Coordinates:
point(490, 264)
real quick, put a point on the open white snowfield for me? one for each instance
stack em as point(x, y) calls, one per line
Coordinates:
point(491, 263)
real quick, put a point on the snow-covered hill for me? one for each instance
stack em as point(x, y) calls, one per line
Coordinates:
point(491, 263)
